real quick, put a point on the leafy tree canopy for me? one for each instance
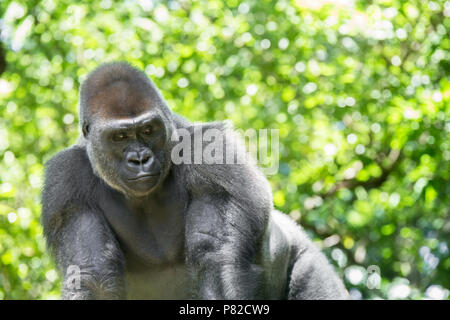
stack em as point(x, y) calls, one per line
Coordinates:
point(359, 91)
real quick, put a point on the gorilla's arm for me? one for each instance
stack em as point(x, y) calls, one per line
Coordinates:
point(91, 247)
point(313, 278)
point(76, 231)
point(295, 268)
point(221, 255)
point(204, 239)
point(225, 223)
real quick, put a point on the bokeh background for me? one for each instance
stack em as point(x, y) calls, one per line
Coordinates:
point(359, 90)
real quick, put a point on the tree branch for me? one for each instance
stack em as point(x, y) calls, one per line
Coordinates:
point(394, 156)
point(2, 59)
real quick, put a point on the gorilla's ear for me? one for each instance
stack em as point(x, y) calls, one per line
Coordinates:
point(85, 129)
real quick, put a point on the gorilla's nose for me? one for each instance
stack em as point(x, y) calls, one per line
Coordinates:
point(139, 160)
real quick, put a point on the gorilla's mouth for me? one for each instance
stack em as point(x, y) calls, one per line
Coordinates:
point(144, 176)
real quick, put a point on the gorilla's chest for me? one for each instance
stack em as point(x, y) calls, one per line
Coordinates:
point(152, 238)
point(151, 233)
point(156, 239)
point(159, 282)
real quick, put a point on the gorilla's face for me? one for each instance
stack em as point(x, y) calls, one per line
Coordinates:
point(130, 154)
point(127, 126)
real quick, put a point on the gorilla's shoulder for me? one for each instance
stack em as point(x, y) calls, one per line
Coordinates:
point(69, 180)
point(244, 182)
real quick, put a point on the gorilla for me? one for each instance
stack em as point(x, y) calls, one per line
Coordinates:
point(124, 221)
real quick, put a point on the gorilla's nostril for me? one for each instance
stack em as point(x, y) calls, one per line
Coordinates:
point(145, 159)
point(134, 162)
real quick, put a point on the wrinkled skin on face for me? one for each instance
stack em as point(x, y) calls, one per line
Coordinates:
point(129, 147)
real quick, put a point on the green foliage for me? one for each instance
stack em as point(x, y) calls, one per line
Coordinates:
point(360, 94)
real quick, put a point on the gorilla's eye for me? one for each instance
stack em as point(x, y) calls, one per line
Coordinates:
point(147, 131)
point(120, 136)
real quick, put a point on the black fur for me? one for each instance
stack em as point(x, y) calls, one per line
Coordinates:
point(201, 231)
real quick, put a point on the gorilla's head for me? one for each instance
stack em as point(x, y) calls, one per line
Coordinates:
point(127, 126)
